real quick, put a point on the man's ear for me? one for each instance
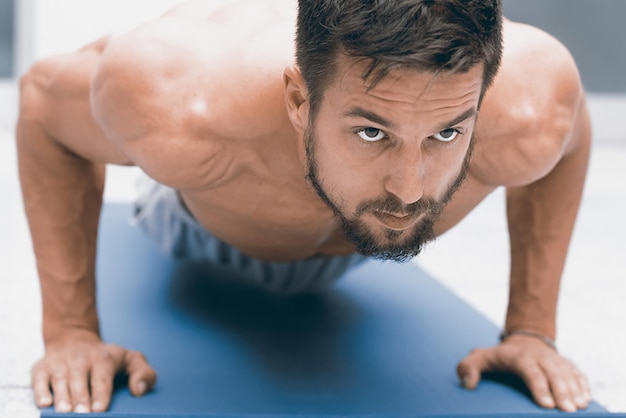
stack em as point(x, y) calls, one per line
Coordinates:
point(296, 98)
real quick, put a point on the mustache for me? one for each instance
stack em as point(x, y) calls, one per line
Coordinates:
point(391, 204)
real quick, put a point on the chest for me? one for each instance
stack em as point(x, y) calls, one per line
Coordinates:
point(269, 215)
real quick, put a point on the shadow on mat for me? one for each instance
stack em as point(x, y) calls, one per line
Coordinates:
point(510, 380)
point(295, 338)
point(120, 383)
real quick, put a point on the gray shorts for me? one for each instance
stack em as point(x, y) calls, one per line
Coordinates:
point(161, 214)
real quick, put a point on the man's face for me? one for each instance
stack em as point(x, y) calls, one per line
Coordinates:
point(386, 160)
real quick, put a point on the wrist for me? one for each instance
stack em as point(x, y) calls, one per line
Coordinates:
point(540, 324)
point(71, 336)
point(505, 335)
point(62, 330)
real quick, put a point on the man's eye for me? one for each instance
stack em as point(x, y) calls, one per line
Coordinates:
point(447, 135)
point(371, 134)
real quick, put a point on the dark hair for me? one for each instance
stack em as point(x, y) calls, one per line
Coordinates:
point(425, 35)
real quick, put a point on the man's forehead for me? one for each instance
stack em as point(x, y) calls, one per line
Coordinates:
point(406, 84)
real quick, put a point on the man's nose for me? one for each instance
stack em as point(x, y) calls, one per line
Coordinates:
point(406, 175)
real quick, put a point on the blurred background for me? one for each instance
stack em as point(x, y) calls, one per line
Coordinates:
point(592, 315)
point(593, 31)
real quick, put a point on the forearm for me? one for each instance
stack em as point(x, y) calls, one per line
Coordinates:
point(62, 197)
point(541, 220)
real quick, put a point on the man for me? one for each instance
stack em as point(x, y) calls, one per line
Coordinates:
point(367, 143)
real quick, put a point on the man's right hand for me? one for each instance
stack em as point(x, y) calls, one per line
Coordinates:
point(79, 368)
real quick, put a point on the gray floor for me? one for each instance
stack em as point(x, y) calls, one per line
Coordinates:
point(472, 260)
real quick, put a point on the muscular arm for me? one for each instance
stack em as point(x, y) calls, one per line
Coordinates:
point(61, 155)
point(62, 190)
point(144, 99)
point(541, 219)
point(543, 165)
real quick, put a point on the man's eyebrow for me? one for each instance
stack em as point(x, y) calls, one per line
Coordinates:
point(359, 112)
point(469, 113)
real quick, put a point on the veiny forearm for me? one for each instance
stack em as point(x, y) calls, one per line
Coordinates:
point(62, 198)
point(541, 220)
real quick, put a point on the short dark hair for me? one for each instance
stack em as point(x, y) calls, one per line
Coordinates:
point(425, 35)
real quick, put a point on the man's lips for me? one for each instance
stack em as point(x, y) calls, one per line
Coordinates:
point(397, 222)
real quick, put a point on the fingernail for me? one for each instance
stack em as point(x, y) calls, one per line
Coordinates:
point(468, 382)
point(63, 406)
point(547, 401)
point(142, 387)
point(81, 409)
point(97, 406)
point(569, 406)
point(44, 401)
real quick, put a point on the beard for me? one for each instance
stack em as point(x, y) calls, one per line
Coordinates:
point(396, 245)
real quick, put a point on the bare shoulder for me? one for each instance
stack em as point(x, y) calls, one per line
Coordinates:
point(527, 117)
point(181, 85)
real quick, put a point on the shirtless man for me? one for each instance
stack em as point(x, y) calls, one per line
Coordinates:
point(358, 145)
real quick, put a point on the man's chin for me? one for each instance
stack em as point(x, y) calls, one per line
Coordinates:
point(388, 244)
point(391, 253)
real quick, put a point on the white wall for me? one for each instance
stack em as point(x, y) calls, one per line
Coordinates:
point(47, 27)
point(57, 26)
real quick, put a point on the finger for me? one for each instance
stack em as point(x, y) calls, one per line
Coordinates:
point(79, 389)
point(561, 389)
point(587, 388)
point(141, 377)
point(471, 368)
point(41, 386)
point(102, 376)
point(582, 393)
point(537, 382)
point(62, 400)
point(561, 381)
point(578, 394)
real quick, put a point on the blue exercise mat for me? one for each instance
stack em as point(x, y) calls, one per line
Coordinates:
point(385, 341)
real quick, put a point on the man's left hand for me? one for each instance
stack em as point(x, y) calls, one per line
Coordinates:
point(551, 378)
